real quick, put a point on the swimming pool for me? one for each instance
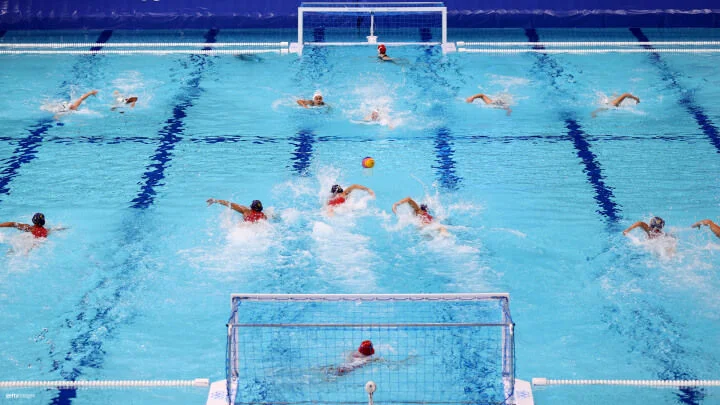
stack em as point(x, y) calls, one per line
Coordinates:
point(137, 287)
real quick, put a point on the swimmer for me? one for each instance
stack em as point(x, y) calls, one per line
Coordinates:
point(712, 225)
point(653, 230)
point(493, 103)
point(68, 107)
point(122, 101)
point(37, 228)
point(317, 101)
point(359, 358)
point(338, 196)
point(252, 214)
point(420, 211)
point(374, 116)
point(616, 103)
point(382, 54)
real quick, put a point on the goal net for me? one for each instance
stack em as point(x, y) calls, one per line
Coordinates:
point(323, 349)
point(335, 23)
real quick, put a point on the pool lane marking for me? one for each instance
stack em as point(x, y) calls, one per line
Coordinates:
point(686, 101)
point(27, 148)
point(603, 193)
point(444, 151)
point(85, 349)
point(444, 157)
point(302, 156)
point(171, 134)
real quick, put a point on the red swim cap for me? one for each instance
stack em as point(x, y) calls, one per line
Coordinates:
point(381, 48)
point(366, 348)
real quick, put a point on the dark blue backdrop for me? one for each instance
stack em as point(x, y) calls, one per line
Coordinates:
point(107, 14)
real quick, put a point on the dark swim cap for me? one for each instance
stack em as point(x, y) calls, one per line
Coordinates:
point(38, 219)
point(256, 205)
point(423, 207)
point(657, 223)
point(336, 189)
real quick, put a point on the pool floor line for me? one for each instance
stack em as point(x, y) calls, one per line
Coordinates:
point(90, 350)
point(593, 169)
point(171, 133)
point(301, 159)
point(686, 101)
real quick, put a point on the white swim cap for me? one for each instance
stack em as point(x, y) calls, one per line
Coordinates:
point(317, 93)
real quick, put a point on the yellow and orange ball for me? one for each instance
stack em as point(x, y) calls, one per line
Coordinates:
point(368, 162)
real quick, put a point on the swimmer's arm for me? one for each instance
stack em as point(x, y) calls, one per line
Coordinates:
point(303, 103)
point(17, 225)
point(640, 224)
point(713, 226)
point(237, 207)
point(357, 187)
point(410, 202)
point(484, 98)
point(76, 104)
point(622, 98)
point(599, 110)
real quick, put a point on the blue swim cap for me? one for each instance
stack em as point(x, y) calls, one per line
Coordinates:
point(336, 189)
point(256, 205)
point(657, 223)
point(423, 207)
point(38, 219)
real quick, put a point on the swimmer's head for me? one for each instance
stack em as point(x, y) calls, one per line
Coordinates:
point(423, 207)
point(336, 189)
point(38, 219)
point(366, 348)
point(375, 115)
point(382, 49)
point(256, 206)
point(317, 97)
point(657, 223)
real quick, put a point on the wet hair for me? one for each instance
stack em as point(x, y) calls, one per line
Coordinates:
point(657, 223)
point(38, 219)
point(256, 206)
point(423, 207)
point(336, 189)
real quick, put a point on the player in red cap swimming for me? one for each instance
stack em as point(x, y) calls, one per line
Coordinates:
point(382, 54)
point(37, 228)
point(252, 214)
point(359, 358)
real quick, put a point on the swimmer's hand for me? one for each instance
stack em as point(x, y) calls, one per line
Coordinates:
point(210, 201)
point(94, 92)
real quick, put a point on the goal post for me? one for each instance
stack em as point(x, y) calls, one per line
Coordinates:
point(423, 348)
point(355, 23)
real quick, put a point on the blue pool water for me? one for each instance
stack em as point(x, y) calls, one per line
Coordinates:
point(138, 285)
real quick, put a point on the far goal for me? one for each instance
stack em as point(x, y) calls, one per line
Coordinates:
point(356, 23)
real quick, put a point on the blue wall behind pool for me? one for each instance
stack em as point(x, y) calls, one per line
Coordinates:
point(130, 14)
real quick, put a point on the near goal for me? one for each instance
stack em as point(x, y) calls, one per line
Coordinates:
point(417, 349)
point(355, 23)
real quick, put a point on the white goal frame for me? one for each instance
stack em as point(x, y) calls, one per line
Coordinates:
point(505, 323)
point(370, 8)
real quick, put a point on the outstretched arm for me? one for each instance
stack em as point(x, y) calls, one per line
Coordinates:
point(304, 103)
point(599, 110)
point(357, 187)
point(637, 224)
point(18, 225)
point(237, 207)
point(76, 103)
point(622, 98)
point(409, 201)
point(713, 226)
point(484, 98)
